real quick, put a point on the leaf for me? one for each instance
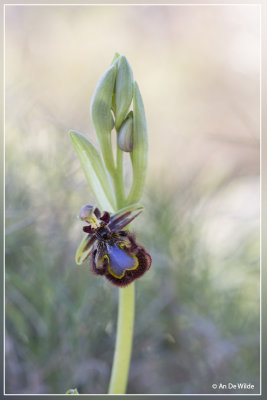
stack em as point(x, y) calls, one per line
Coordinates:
point(94, 170)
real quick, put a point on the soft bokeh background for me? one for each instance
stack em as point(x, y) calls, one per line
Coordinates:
point(197, 317)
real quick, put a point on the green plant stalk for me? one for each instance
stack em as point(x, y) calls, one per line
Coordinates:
point(119, 78)
point(126, 307)
point(118, 181)
point(123, 347)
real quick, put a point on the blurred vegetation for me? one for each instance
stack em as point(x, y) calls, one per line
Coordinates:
point(60, 321)
point(197, 317)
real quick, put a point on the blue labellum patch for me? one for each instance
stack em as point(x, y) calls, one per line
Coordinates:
point(120, 261)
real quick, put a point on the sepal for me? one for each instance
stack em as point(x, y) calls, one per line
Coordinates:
point(85, 249)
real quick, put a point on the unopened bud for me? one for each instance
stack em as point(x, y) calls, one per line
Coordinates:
point(125, 135)
point(123, 90)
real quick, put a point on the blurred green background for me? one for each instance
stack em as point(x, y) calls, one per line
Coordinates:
point(197, 317)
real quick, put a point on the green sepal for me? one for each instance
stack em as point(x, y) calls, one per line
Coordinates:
point(84, 249)
point(101, 116)
point(140, 147)
point(94, 170)
point(123, 91)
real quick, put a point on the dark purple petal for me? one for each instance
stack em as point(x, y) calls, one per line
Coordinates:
point(121, 221)
point(97, 212)
point(105, 217)
point(88, 229)
point(124, 216)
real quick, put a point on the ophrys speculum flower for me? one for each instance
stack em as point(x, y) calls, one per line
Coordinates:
point(114, 252)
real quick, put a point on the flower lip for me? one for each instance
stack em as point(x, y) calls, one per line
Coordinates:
point(120, 265)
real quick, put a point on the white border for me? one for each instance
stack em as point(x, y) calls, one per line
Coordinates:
point(260, 127)
point(133, 4)
point(4, 203)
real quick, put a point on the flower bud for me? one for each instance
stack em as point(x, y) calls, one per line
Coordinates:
point(125, 135)
point(123, 90)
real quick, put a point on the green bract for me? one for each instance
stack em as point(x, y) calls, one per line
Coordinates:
point(101, 114)
point(140, 147)
point(94, 169)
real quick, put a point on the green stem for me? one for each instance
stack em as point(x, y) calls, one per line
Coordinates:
point(125, 323)
point(118, 180)
point(123, 347)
